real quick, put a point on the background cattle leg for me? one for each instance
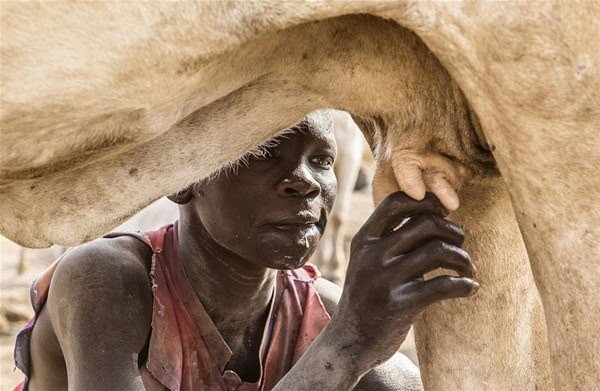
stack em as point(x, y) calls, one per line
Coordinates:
point(495, 340)
point(331, 254)
point(558, 216)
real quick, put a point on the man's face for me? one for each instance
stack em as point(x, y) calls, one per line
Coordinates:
point(273, 212)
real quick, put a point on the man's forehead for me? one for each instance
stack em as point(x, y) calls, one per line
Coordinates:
point(319, 123)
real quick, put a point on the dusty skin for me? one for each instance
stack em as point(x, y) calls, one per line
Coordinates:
point(15, 289)
point(114, 102)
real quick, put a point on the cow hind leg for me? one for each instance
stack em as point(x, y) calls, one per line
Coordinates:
point(331, 252)
point(496, 339)
point(552, 181)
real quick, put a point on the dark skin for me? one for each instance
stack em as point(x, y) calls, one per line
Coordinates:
point(234, 231)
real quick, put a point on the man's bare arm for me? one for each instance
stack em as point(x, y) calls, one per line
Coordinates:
point(384, 291)
point(100, 305)
point(397, 373)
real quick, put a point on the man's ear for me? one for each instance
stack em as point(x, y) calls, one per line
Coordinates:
point(182, 196)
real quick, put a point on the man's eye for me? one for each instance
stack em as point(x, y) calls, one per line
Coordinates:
point(323, 161)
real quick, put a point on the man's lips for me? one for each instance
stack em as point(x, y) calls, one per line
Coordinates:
point(300, 220)
point(295, 221)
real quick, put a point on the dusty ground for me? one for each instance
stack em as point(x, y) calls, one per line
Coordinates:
point(15, 307)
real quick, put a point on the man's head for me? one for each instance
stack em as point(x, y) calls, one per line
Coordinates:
point(272, 209)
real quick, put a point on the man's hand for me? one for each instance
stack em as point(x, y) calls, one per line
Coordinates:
point(384, 291)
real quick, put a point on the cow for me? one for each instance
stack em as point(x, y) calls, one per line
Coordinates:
point(157, 214)
point(108, 106)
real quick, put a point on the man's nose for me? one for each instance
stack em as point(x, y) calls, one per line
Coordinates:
point(300, 183)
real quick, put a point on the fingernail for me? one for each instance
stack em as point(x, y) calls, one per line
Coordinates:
point(475, 287)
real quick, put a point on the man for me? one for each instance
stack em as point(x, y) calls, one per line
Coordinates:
point(223, 299)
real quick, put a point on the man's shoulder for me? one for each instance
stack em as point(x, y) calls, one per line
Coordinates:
point(398, 373)
point(329, 293)
point(108, 256)
point(103, 268)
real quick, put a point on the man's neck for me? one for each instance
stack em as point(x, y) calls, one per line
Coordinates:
point(235, 292)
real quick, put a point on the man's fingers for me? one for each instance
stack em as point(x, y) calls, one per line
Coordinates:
point(425, 293)
point(433, 255)
point(419, 230)
point(394, 208)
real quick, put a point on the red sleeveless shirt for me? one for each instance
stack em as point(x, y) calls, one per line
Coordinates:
point(186, 351)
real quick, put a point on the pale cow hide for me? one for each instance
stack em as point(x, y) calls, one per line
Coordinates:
point(152, 217)
point(107, 106)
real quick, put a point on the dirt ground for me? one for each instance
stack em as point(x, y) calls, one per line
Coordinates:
point(15, 308)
